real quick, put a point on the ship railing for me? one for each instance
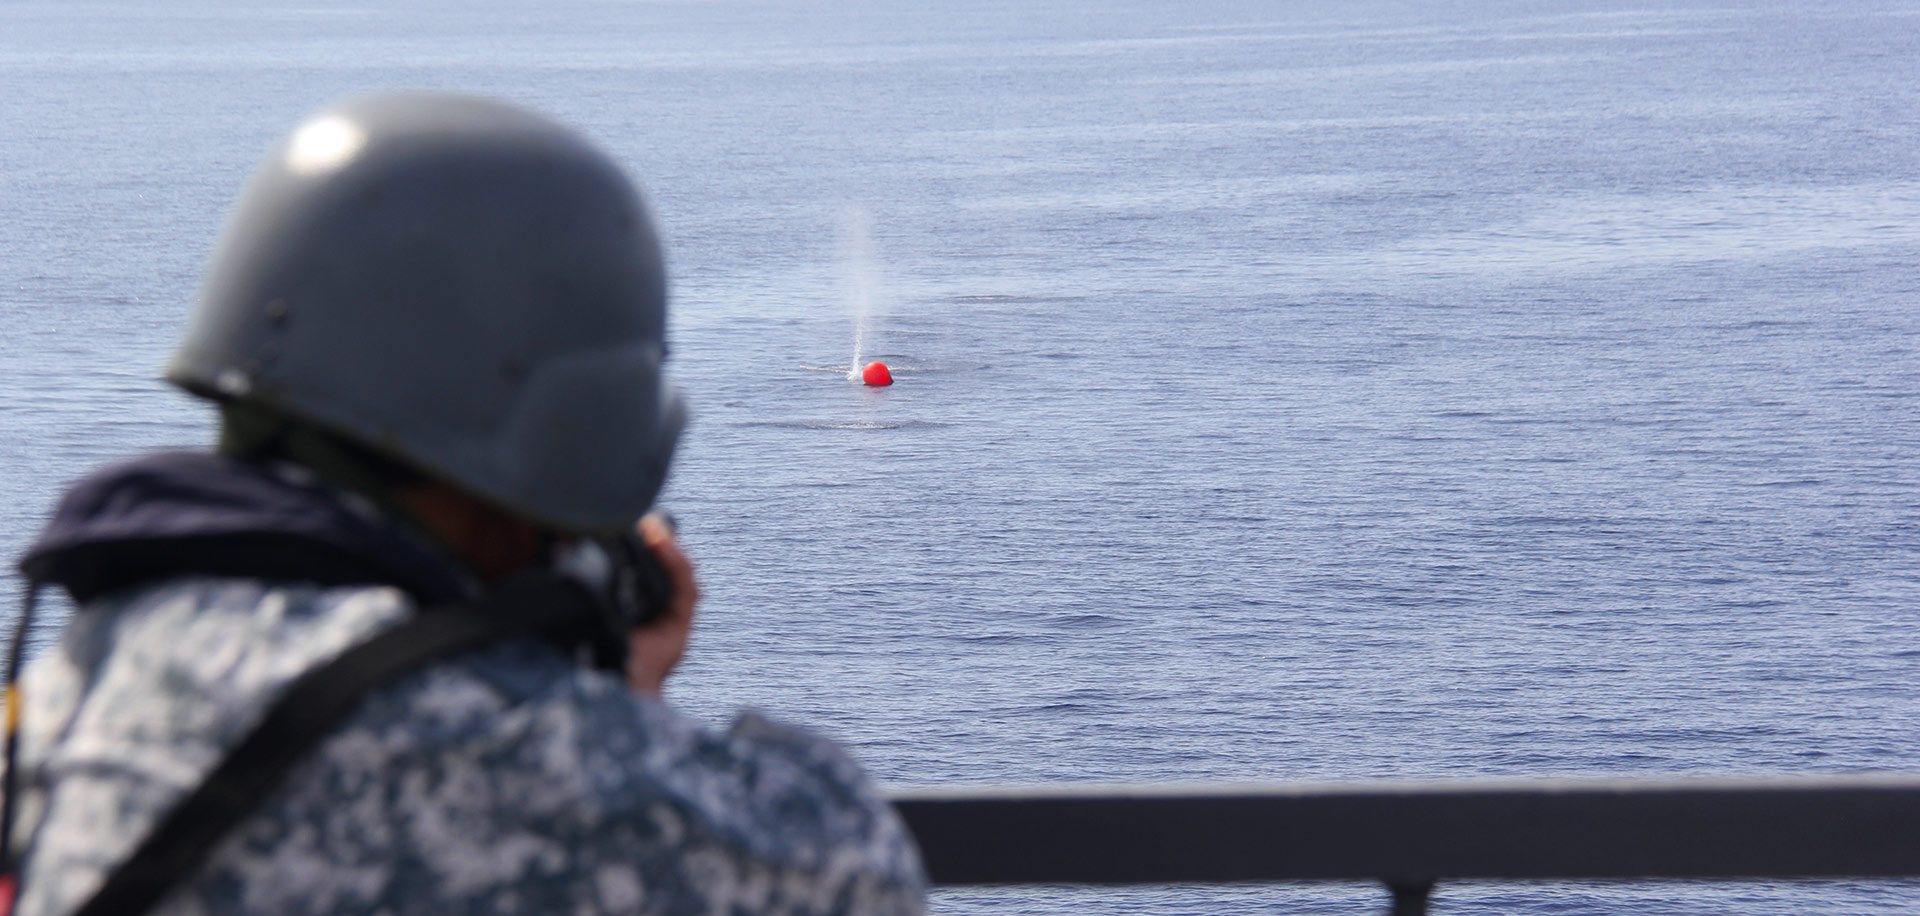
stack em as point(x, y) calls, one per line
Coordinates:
point(1411, 835)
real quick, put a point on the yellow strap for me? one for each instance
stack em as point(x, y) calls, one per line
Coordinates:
point(13, 708)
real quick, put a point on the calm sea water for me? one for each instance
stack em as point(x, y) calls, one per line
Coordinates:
point(1284, 391)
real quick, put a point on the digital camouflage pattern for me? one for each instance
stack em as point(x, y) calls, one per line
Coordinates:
point(506, 781)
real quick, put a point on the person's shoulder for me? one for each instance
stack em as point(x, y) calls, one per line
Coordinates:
point(575, 751)
point(205, 654)
point(812, 805)
point(514, 775)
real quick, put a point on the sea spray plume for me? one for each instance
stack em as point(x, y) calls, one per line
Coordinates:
point(856, 253)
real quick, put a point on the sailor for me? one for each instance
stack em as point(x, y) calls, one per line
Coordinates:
point(433, 330)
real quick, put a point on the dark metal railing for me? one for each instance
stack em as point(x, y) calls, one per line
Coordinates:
point(1410, 835)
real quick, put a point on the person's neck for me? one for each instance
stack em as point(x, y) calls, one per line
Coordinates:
point(491, 542)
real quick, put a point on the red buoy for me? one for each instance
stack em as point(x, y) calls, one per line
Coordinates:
point(876, 374)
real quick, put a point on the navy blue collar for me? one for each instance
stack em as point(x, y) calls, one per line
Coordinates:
point(188, 513)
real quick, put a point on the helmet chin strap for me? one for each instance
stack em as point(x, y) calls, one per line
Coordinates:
point(487, 541)
point(254, 432)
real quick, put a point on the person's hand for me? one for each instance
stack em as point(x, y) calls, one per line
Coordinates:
point(654, 650)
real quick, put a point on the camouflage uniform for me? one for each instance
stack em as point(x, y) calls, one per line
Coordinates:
point(508, 780)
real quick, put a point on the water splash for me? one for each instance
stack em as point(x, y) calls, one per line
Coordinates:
point(856, 252)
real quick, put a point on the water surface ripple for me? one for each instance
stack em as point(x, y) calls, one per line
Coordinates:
point(1377, 389)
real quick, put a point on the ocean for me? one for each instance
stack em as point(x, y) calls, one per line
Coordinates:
point(1283, 391)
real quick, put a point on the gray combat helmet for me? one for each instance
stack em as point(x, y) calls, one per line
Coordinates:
point(460, 285)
